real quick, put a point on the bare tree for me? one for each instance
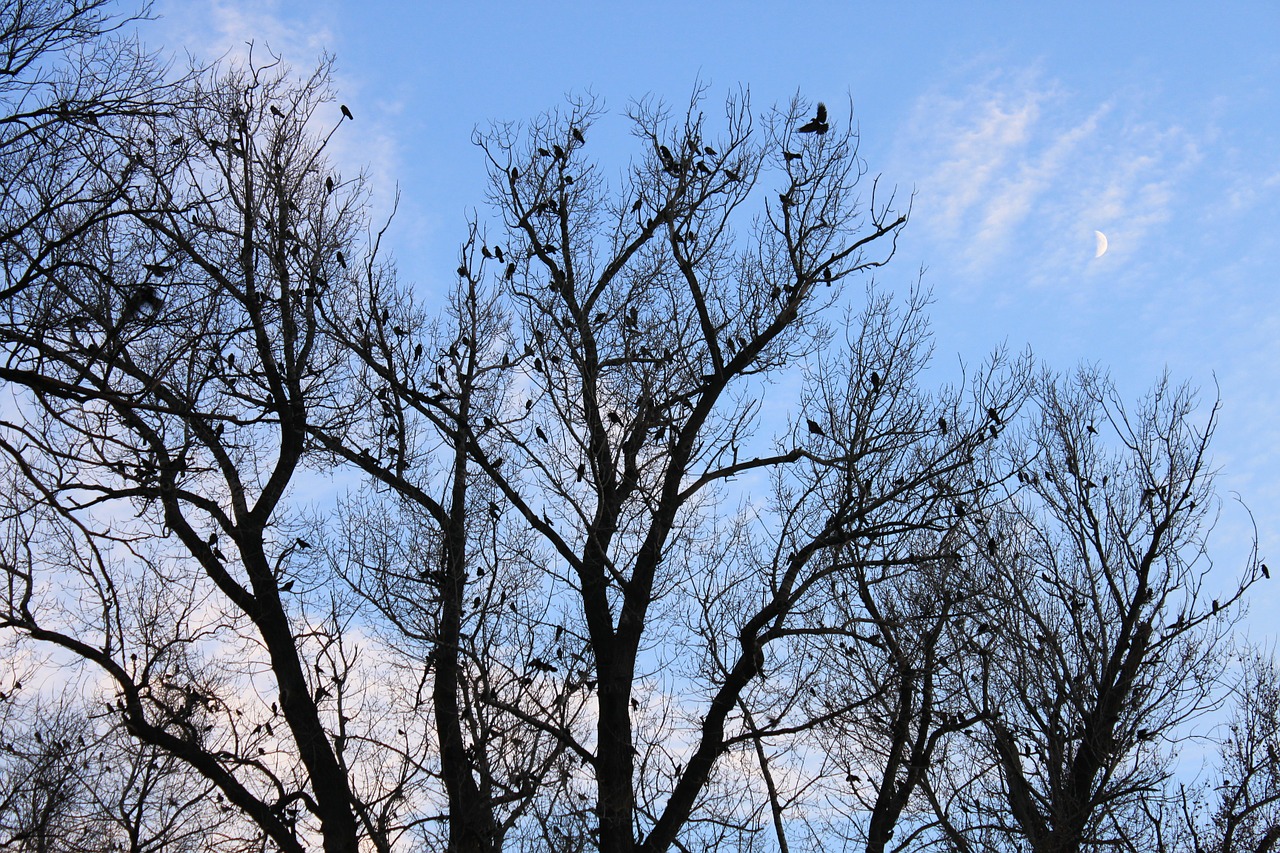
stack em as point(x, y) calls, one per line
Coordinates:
point(645, 333)
point(660, 540)
point(175, 365)
point(1238, 809)
point(72, 85)
point(1107, 640)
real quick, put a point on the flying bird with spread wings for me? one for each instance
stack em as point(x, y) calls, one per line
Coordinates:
point(819, 123)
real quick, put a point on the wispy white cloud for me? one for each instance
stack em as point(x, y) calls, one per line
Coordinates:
point(226, 28)
point(1014, 164)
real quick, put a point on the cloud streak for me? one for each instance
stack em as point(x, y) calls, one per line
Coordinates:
point(1013, 164)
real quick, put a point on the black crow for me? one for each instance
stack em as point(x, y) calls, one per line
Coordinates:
point(819, 123)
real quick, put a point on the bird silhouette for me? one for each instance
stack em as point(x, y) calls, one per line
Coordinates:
point(788, 156)
point(157, 270)
point(819, 123)
point(814, 427)
point(342, 261)
point(577, 135)
point(328, 183)
point(875, 381)
point(346, 112)
point(275, 111)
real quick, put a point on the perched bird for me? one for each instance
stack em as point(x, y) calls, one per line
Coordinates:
point(577, 135)
point(287, 586)
point(275, 111)
point(819, 123)
point(511, 271)
point(538, 432)
point(1266, 573)
point(346, 112)
point(303, 544)
point(875, 381)
point(814, 427)
point(328, 183)
point(342, 261)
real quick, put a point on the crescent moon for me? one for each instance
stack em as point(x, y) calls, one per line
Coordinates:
point(1102, 244)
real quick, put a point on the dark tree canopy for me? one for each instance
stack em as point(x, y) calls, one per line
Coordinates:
point(661, 533)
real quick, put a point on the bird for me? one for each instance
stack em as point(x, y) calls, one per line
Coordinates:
point(328, 183)
point(287, 586)
point(993, 414)
point(157, 270)
point(875, 381)
point(538, 431)
point(275, 111)
point(1266, 573)
point(942, 425)
point(814, 427)
point(346, 112)
point(577, 135)
point(303, 544)
point(342, 261)
point(819, 123)
point(788, 156)
point(511, 271)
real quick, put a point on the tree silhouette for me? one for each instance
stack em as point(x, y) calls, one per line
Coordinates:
point(657, 536)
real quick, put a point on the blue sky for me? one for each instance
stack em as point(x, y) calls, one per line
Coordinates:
point(1021, 127)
